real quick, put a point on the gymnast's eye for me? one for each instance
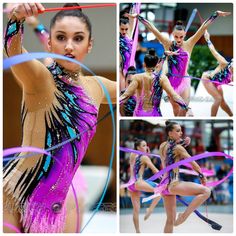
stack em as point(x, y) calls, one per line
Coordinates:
point(60, 37)
point(79, 38)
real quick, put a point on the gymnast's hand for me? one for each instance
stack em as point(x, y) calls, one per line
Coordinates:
point(207, 36)
point(222, 13)
point(22, 10)
point(203, 180)
point(189, 113)
point(171, 53)
point(131, 15)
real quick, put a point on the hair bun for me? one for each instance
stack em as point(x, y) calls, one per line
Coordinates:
point(152, 52)
point(73, 5)
point(135, 140)
point(167, 123)
point(179, 22)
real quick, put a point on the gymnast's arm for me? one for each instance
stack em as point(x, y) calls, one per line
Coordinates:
point(221, 60)
point(164, 40)
point(149, 164)
point(110, 87)
point(193, 40)
point(33, 75)
point(130, 90)
point(183, 154)
point(165, 83)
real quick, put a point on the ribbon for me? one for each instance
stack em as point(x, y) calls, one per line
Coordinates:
point(192, 77)
point(6, 10)
point(135, 40)
point(8, 62)
point(191, 18)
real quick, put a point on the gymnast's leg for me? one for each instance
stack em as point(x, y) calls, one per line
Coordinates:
point(135, 198)
point(224, 106)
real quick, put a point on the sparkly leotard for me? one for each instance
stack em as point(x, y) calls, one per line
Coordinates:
point(223, 77)
point(177, 68)
point(39, 185)
point(172, 175)
point(154, 98)
point(125, 52)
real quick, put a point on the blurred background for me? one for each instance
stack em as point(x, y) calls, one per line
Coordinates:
point(206, 136)
point(102, 61)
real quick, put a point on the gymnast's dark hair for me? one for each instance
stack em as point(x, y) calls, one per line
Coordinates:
point(179, 25)
point(170, 126)
point(124, 20)
point(151, 59)
point(76, 13)
point(137, 142)
point(131, 71)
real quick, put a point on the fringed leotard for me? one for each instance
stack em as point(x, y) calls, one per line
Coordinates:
point(38, 186)
point(177, 69)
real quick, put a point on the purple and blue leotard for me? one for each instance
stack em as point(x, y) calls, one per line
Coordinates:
point(39, 191)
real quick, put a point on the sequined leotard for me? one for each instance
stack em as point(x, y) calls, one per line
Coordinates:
point(39, 185)
point(177, 68)
point(125, 52)
point(223, 77)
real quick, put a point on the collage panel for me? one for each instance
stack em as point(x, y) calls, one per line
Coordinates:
point(59, 170)
point(176, 59)
point(176, 176)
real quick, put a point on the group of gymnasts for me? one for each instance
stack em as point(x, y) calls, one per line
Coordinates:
point(171, 151)
point(141, 93)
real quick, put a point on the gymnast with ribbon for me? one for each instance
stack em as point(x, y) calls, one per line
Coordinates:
point(138, 163)
point(177, 65)
point(214, 79)
point(127, 108)
point(173, 155)
point(59, 104)
point(149, 86)
point(171, 151)
point(128, 37)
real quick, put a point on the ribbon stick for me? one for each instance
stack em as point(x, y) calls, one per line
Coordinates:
point(6, 10)
point(191, 18)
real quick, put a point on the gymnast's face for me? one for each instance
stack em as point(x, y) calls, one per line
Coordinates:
point(71, 38)
point(124, 29)
point(176, 133)
point(179, 36)
point(143, 146)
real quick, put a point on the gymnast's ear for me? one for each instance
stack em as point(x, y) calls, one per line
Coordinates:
point(49, 45)
point(90, 45)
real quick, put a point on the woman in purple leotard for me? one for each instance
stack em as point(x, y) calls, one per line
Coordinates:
point(176, 67)
point(149, 86)
point(59, 103)
point(214, 79)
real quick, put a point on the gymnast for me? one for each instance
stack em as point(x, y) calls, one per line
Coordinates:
point(214, 79)
point(58, 103)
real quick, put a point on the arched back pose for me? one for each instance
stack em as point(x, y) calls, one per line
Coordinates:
point(177, 65)
point(172, 151)
point(58, 103)
point(148, 87)
point(138, 163)
point(222, 74)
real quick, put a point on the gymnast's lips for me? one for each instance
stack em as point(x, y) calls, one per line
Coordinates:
point(69, 55)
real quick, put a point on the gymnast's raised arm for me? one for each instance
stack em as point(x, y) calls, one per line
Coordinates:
point(221, 60)
point(193, 40)
point(33, 75)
